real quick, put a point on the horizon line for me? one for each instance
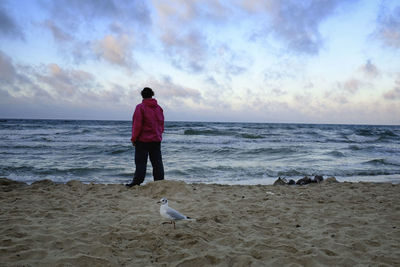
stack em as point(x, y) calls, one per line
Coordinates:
point(194, 121)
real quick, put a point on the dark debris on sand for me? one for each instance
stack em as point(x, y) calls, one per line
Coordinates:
point(305, 180)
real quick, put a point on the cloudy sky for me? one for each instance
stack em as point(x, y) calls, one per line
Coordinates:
point(301, 61)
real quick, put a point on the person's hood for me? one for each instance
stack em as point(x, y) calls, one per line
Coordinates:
point(150, 102)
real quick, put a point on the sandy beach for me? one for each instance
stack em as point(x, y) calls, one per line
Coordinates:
point(75, 224)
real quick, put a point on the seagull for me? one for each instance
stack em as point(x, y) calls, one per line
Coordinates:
point(171, 214)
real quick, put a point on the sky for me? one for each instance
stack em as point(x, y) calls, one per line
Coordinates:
point(273, 61)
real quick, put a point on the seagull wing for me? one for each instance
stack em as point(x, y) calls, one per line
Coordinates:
point(174, 215)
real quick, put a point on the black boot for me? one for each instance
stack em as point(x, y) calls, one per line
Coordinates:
point(133, 183)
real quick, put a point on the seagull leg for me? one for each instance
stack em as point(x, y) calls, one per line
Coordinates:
point(171, 222)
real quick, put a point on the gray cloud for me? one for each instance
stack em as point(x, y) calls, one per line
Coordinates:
point(279, 91)
point(50, 82)
point(168, 89)
point(296, 22)
point(126, 19)
point(17, 82)
point(212, 81)
point(351, 85)
point(8, 26)
point(180, 25)
point(388, 29)
point(51, 91)
point(57, 32)
point(7, 70)
point(227, 62)
point(187, 11)
point(69, 46)
point(187, 51)
point(394, 94)
point(25, 87)
point(171, 93)
point(14, 80)
point(65, 83)
point(74, 12)
point(370, 69)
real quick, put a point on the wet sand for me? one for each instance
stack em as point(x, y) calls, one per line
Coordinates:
point(75, 224)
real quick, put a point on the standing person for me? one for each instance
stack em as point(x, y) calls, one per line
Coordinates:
point(147, 129)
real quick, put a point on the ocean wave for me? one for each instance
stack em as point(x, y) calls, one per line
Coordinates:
point(378, 162)
point(354, 138)
point(291, 173)
point(125, 174)
point(377, 172)
point(374, 135)
point(336, 154)
point(207, 132)
point(388, 136)
point(251, 136)
point(365, 132)
point(223, 151)
point(270, 151)
point(120, 151)
point(34, 146)
point(6, 170)
point(177, 173)
point(354, 147)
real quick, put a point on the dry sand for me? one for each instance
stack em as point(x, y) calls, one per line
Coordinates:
point(75, 224)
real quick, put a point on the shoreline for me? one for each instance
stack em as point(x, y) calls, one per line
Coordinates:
point(393, 179)
point(78, 224)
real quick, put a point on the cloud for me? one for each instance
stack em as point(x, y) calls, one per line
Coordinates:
point(8, 26)
point(296, 22)
point(169, 90)
point(370, 69)
point(75, 24)
point(279, 91)
point(351, 85)
point(116, 50)
point(14, 79)
point(342, 90)
point(273, 74)
point(58, 34)
point(17, 82)
point(52, 91)
point(68, 43)
point(394, 94)
point(187, 11)
point(187, 51)
point(65, 83)
point(210, 79)
point(227, 62)
point(388, 29)
point(181, 28)
point(73, 11)
point(7, 70)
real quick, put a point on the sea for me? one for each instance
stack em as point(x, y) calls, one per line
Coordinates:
point(199, 152)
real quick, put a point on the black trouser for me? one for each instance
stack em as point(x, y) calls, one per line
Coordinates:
point(142, 151)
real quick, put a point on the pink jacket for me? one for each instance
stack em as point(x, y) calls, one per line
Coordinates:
point(148, 122)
